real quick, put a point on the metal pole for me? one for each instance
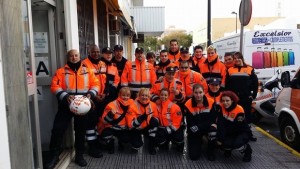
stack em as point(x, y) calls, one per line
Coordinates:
point(208, 22)
point(242, 26)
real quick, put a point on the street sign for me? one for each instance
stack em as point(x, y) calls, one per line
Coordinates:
point(245, 12)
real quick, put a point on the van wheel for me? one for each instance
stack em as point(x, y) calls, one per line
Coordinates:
point(289, 133)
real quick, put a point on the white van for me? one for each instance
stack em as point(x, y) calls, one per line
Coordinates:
point(266, 50)
point(288, 109)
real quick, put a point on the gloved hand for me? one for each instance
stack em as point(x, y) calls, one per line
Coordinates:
point(142, 117)
point(194, 128)
point(153, 122)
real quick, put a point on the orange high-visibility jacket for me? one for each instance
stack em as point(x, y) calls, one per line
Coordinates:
point(189, 79)
point(112, 74)
point(137, 110)
point(173, 58)
point(66, 81)
point(217, 69)
point(216, 97)
point(138, 74)
point(198, 63)
point(176, 84)
point(117, 111)
point(170, 115)
point(96, 68)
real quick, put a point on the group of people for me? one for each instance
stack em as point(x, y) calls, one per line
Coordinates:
point(141, 100)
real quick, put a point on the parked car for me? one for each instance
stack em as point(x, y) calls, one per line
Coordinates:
point(288, 109)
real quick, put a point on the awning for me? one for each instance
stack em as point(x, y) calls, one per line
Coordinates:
point(120, 8)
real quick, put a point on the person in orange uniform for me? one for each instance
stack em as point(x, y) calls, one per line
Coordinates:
point(213, 67)
point(185, 56)
point(151, 58)
point(72, 79)
point(214, 90)
point(228, 59)
point(242, 72)
point(170, 118)
point(174, 53)
point(119, 60)
point(201, 120)
point(189, 78)
point(175, 87)
point(233, 131)
point(113, 121)
point(138, 74)
point(93, 62)
point(164, 62)
point(143, 119)
point(112, 76)
point(198, 58)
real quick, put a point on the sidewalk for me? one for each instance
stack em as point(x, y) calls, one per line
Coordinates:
point(266, 154)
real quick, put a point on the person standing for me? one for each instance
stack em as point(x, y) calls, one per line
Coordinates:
point(213, 67)
point(185, 56)
point(242, 72)
point(201, 121)
point(228, 59)
point(174, 53)
point(164, 62)
point(151, 58)
point(138, 73)
point(120, 61)
point(198, 58)
point(94, 63)
point(72, 79)
point(233, 131)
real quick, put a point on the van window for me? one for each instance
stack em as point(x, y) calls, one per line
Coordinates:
point(296, 81)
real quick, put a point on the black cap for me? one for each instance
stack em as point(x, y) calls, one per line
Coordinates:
point(118, 47)
point(106, 50)
point(215, 81)
point(184, 49)
point(139, 50)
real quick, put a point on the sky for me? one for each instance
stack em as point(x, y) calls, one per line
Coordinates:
point(188, 14)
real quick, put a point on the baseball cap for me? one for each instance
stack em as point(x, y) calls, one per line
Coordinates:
point(118, 47)
point(215, 81)
point(106, 50)
point(184, 50)
point(139, 50)
point(171, 68)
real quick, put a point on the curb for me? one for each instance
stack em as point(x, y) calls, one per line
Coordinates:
point(278, 142)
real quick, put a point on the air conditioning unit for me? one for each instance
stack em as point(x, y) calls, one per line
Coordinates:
point(114, 26)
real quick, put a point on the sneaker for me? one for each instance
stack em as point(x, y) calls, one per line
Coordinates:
point(248, 154)
point(79, 160)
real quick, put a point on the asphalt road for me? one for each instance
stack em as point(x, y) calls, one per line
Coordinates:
point(270, 125)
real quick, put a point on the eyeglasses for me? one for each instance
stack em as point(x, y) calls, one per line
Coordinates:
point(182, 67)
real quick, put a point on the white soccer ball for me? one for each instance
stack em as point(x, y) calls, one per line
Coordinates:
point(81, 105)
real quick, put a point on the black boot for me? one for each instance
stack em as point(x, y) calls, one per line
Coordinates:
point(80, 160)
point(94, 150)
point(111, 146)
point(54, 159)
point(120, 146)
point(211, 151)
point(227, 153)
point(52, 163)
point(151, 148)
point(180, 147)
point(248, 154)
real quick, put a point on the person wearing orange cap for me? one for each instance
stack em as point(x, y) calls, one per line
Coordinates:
point(175, 87)
point(213, 67)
